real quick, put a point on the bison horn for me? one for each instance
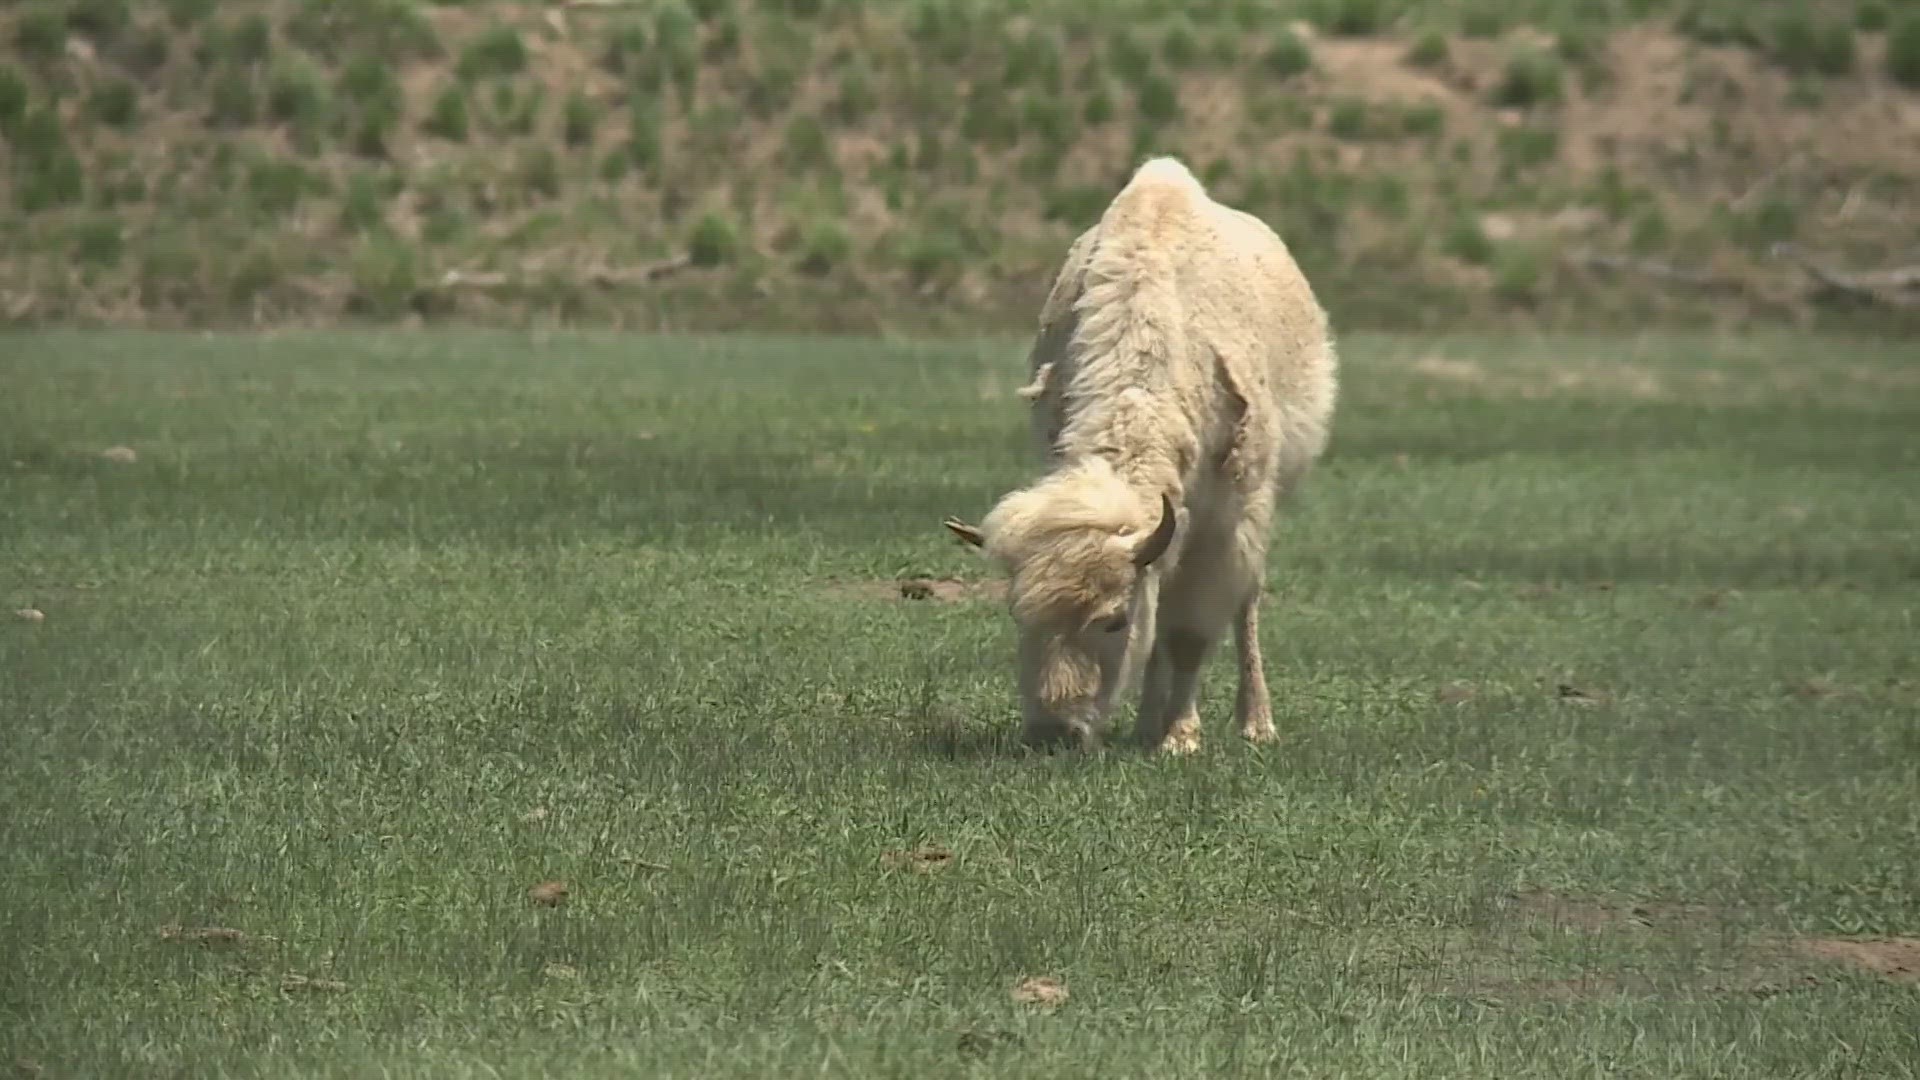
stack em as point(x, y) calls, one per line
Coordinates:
point(1156, 545)
point(965, 531)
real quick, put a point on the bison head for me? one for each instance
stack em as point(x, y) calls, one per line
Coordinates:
point(1077, 547)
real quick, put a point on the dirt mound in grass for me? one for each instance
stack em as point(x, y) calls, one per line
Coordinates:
point(936, 590)
point(1896, 958)
point(1556, 909)
point(1765, 965)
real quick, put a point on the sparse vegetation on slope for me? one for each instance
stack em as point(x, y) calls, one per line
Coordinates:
point(834, 164)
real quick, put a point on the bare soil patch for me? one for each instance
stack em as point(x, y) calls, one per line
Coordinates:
point(1554, 909)
point(1569, 694)
point(1896, 958)
point(1041, 991)
point(1583, 988)
point(214, 936)
point(1765, 966)
point(1451, 369)
point(924, 859)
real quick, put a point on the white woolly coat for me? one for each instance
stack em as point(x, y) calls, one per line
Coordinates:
point(1181, 355)
point(1182, 343)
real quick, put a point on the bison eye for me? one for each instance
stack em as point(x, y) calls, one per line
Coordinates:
point(1115, 624)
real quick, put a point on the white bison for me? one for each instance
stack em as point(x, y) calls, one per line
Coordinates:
point(1183, 381)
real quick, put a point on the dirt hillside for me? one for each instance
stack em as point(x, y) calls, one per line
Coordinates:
point(835, 165)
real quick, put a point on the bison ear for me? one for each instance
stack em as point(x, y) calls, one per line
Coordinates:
point(1156, 544)
point(964, 531)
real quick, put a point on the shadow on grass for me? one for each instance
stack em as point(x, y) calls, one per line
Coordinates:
point(521, 489)
point(952, 741)
point(961, 742)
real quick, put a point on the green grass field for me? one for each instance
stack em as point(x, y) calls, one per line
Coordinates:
point(377, 631)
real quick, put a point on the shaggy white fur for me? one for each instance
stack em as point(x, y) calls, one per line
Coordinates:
point(1183, 381)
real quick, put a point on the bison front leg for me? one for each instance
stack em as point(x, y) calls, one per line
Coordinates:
point(1150, 723)
point(1252, 708)
point(1170, 703)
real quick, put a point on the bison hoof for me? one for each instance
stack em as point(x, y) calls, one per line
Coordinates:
point(1183, 738)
